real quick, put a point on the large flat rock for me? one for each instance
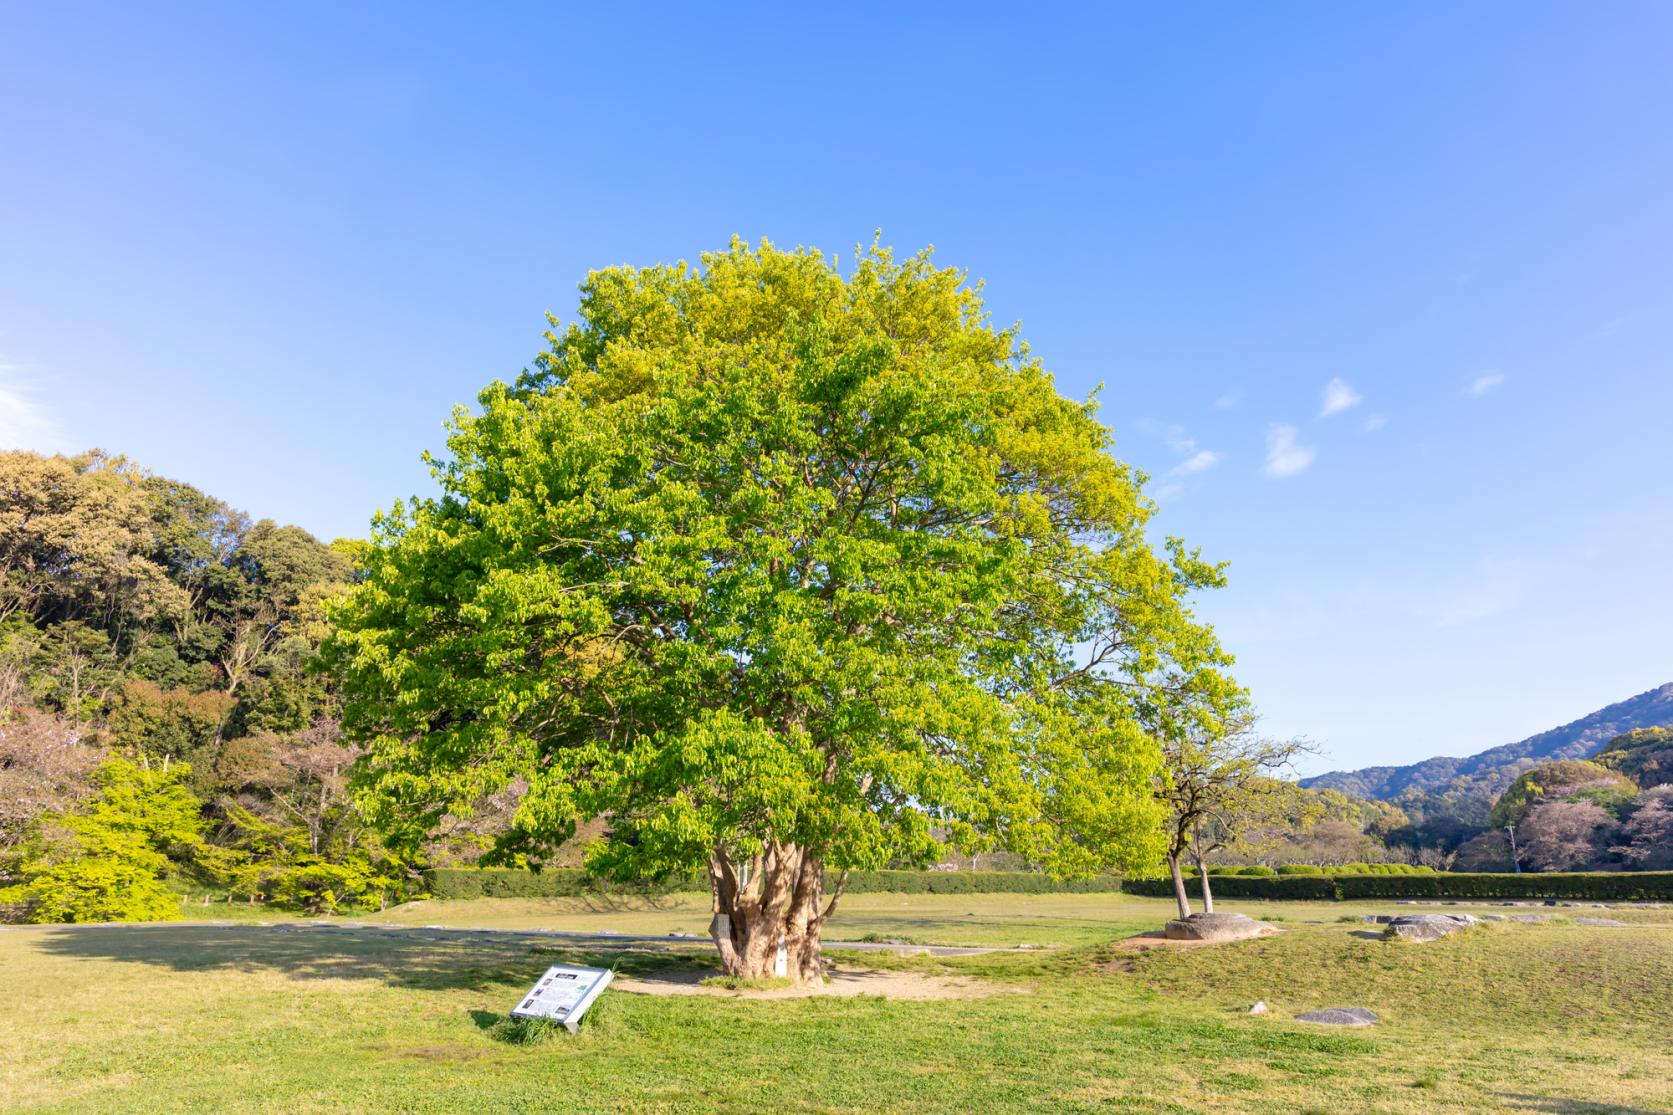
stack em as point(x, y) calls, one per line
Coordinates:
point(1427, 927)
point(1214, 927)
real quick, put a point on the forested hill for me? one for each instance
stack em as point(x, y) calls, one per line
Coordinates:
point(161, 716)
point(1492, 770)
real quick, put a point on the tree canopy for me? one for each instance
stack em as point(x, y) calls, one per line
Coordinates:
point(1644, 754)
point(780, 569)
point(1565, 778)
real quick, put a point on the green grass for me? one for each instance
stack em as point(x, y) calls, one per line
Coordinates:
point(296, 1019)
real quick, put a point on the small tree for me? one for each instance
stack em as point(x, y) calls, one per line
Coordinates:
point(1648, 832)
point(1487, 851)
point(1220, 790)
point(780, 570)
point(1564, 835)
point(106, 863)
point(46, 766)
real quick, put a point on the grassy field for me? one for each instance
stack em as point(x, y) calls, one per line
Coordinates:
point(295, 1018)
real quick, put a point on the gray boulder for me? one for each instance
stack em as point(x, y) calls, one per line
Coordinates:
point(1214, 927)
point(1427, 927)
point(1611, 922)
point(1338, 1016)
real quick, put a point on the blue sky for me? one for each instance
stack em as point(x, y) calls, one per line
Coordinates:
point(1382, 298)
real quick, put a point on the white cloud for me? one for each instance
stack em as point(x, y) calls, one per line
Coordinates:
point(1285, 457)
point(1173, 436)
point(1228, 401)
point(1339, 396)
point(1481, 385)
point(25, 423)
point(1373, 423)
point(1199, 462)
point(1167, 491)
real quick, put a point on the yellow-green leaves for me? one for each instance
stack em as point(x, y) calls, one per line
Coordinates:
point(759, 551)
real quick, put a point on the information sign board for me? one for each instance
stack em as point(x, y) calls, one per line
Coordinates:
point(563, 994)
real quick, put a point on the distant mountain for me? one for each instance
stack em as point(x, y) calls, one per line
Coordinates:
point(1491, 771)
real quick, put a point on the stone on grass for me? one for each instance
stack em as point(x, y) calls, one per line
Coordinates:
point(1378, 919)
point(1338, 1016)
point(1611, 922)
point(1259, 1007)
point(1214, 927)
point(1427, 927)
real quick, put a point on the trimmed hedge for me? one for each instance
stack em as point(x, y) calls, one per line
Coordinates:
point(1592, 886)
point(970, 882)
point(554, 882)
point(1242, 886)
point(567, 882)
point(1314, 869)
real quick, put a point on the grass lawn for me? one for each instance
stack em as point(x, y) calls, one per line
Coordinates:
point(292, 1018)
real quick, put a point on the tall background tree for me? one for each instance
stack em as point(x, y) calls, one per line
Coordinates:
point(783, 571)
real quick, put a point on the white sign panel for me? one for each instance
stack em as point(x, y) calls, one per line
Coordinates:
point(563, 994)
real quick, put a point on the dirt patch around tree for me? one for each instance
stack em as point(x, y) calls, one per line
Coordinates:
point(843, 982)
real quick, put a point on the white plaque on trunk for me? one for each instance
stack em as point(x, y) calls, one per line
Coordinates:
point(563, 994)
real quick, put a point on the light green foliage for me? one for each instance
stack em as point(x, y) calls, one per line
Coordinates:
point(106, 863)
point(1565, 778)
point(762, 553)
point(276, 861)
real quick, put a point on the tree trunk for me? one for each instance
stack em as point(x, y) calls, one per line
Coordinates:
point(1207, 893)
point(775, 902)
point(1179, 894)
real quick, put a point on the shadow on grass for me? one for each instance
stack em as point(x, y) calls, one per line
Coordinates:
point(420, 959)
point(1516, 1101)
point(608, 903)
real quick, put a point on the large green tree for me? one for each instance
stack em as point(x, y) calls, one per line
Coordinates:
point(784, 571)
